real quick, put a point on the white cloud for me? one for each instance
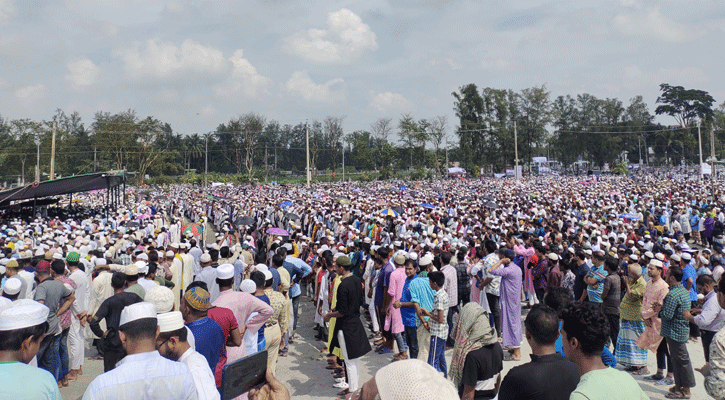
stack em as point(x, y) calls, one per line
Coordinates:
point(635, 78)
point(389, 101)
point(7, 9)
point(82, 73)
point(300, 84)
point(208, 111)
point(346, 38)
point(30, 95)
point(652, 23)
point(498, 64)
point(243, 79)
point(162, 60)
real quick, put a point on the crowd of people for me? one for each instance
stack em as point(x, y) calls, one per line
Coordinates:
point(594, 273)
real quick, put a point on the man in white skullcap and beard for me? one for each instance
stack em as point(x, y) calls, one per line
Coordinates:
point(23, 326)
point(172, 343)
point(143, 373)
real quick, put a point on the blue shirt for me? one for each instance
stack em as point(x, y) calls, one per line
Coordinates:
point(275, 278)
point(383, 281)
point(408, 313)
point(421, 293)
point(595, 294)
point(260, 333)
point(689, 272)
point(20, 381)
point(209, 338)
point(297, 269)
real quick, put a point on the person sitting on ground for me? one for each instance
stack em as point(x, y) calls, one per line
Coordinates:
point(585, 330)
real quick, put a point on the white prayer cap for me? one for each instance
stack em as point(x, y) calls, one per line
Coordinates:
point(260, 268)
point(131, 269)
point(649, 254)
point(169, 253)
point(248, 286)
point(142, 256)
point(656, 263)
point(107, 254)
point(225, 271)
point(588, 252)
point(170, 321)
point(23, 315)
point(2, 269)
point(633, 257)
point(675, 257)
point(413, 380)
point(143, 268)
point(267, 275)
point(12, 286)
point(704, 260)
point(205, 258)
point(161, 297)
point(287, 246)
point(174, 245)
point(660, 256)
point(686, 256)
point(39, 252)
point(137, 311)
point(425, 260)
point(100, 261)
point(553, 257)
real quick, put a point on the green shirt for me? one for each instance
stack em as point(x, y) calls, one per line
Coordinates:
point(632, 310)
point(607, 384)
point(138, 289)
point(19, 381)
point(674, 325)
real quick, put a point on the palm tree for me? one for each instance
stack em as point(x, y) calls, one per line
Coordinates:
point(193, 148)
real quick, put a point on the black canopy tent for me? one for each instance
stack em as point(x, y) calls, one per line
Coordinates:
point(111, 181)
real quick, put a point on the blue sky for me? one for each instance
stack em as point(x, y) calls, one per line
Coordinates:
point(195, 64)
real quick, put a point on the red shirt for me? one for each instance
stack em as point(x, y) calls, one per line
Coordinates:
point(225, 318)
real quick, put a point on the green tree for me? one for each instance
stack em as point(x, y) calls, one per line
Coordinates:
point(468, 106)
point(684, 105)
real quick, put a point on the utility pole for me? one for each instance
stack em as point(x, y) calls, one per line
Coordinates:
point(95, 151)
point(699, 141)
point(516, 152)
point(37, 163)
point(52, 154)
point(712, 160)
point(446, 155)
point(343, 161)
point(639, 144)
point(206, 159)
point(266, 172)
point(307, 135)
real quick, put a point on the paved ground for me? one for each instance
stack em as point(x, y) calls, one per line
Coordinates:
point(304, 374)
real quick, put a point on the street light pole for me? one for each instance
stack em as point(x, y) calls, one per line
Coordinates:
point(699, 141)
point(307, 136)
point(206, 158)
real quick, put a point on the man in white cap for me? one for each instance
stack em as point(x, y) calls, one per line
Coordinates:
point(143, 373)
point(208, 275)
point(22, 329)
point(76, 346)
point(172, 343)
point(407, 380)
point(110, 311)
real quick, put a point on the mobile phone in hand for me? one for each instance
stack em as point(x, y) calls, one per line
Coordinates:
point(243, 375)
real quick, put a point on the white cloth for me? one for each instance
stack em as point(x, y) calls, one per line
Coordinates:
point(82, 289)
point(251, 339)
point(76, 343)
point(203, 377)
point(352, 366)
point(144, 376)
point(147, 284)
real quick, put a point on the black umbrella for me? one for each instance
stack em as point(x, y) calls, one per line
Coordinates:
point(292, 216)
point(244, 221)
point(132, 224)
point(490, 204)
point(398, 209)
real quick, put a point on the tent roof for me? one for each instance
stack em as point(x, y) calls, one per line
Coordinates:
point(61, 186)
